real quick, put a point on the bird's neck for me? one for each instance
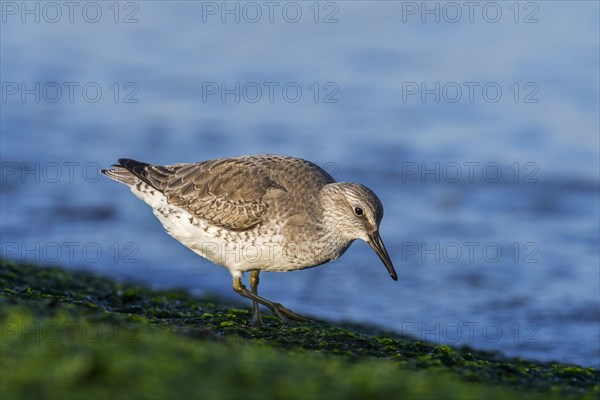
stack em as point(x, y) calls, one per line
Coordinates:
point(332, 204)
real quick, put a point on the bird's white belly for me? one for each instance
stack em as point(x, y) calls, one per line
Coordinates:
point(237, 251)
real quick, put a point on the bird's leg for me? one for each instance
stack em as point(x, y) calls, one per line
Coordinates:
point(279, 310)
point(256, 320)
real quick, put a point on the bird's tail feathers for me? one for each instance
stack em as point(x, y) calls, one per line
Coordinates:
point(120, 174)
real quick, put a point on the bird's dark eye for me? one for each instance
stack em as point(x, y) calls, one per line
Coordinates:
point(358, 211)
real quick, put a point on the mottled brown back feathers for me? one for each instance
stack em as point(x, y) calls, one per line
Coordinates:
point(226, 192)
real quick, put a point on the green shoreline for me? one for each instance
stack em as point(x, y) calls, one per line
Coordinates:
point(68, 334)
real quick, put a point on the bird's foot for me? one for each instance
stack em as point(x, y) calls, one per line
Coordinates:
point(285, 314)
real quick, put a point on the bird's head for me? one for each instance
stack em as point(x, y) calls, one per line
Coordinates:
point(356, 212)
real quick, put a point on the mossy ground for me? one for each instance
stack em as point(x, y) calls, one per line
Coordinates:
point(74, 335)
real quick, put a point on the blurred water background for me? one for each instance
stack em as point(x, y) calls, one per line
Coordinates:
point(479, 131)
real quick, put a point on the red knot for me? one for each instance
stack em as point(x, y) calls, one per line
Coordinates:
point(258, 213)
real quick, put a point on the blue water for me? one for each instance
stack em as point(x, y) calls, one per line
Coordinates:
point(491, 198)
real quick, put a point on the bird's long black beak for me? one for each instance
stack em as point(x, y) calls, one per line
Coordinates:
point(377, 244)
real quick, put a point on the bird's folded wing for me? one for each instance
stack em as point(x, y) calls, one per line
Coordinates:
point(226, 192)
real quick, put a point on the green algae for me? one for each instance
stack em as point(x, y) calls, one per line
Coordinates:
point(67, 334)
